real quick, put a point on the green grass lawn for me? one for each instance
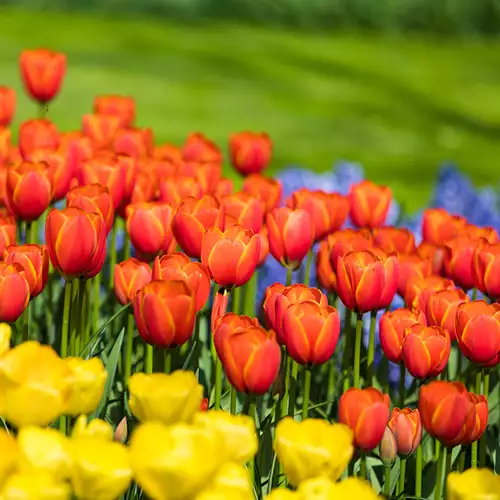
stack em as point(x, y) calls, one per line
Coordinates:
point(398, 106)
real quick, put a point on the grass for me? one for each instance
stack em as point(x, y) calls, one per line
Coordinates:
point(398, 106)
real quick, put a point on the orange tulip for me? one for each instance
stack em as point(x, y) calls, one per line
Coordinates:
point(199, 148)
point(7, 105)
point(434, 254)
point(76, 241)
point(348, 240)
point(34, 259)
point(406, 426)
point(230, 256)
point(446, 410)
point(418, 290)
point(225, 187)
point(29, 190)
point(328, 212)
point(366, 412)
point(426, 350)
point(479, 424)
point(391, 280)
point(42, 72)
point(369, 203)
point(123, 107)
point(175, 190)
point(442, 309)
point(178, 266)
point(37, 134)
point(490, 234)
point(5, 146)
point(473, 320)
point(392, 327)
point(149, 228)
point(438, 226)
point(133, 142)
point(143, 190)
point(247, 210)
point(269, 190)
point(93, 198)
point(411, 266)
point(101, 130)
point(291, 235)
point(324, 270)
point(165, 312)
point(486, 268)
point(250, 355)
point(310, 332)
point(394, 239)
point(14, 292)
point(264, 246)
point(77, 148)
point(207, 174)
point(192, 219)
point(250, 152)
point(360, 280)
point(168, 152)
point(130, 276)
point(8, 230)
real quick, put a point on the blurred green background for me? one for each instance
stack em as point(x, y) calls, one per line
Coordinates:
point(397, 85)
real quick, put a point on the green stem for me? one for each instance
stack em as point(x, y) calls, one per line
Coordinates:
point(249, 294)
point(289, 277)
point(148, 360)
point(88, 289)
point(461, 459)
point(362, 467)
point(96, 302)
point(237, 296)
point(218, 383)
point(286, 380)
point(168, 360)
point(25, 319)
point(459, 365)
point(82, 292)
point(402, 478)
point(418, 471)
point(439, 474)
point(347, 358)
point(357, 350)
point(402, 385)
point(126, 247)
point(307, 392)
point(31, 232)
point(233, 400)
point(250, 410)
point(482, 444)
point(129, 348)
point(68, 294)
point(474, 294)
point(112, 256)
point(371, 349)
point(474, 445)
point(292, 389)
point(330, 392)
point(49, 304)
point(387, 481)
point(307, 274)
point(447, 468)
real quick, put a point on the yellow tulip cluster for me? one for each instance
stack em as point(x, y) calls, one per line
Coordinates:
point(473, 484)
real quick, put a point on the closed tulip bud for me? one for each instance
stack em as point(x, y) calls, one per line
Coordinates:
point(419, 289)
point(250, 152)
point(472, 321)
point(86, 379)
point(93, 198)
point(174, 191)
point(312, 448)
point(438, 226)
point(310, 332)
point(236, 434)
point(165, 312)
point(230, 256)
point(198, 148)
point(247, 210)
point(388, 447)
point(34, 259)
point(169, 399)
point(442, 309)
point(14, 290)
point(7, 105)
point(406, 426)
point(394, 239)
point(8, 459)
point(37, 134)
point(101, 130)
point(369, 204)
point(348, 240)
point(392, 327)
point(446, 410)
point(149, 228)
point(259, 354)
point(473, 484)
point(324, 270)
point(155, 452)
point(5, 151)
point(478, 427)
point(486, 266)
point(411, 266)
point(204, 404)
point(434, 254)
point(42, 486)
point(291, 235)
point(43, 450)
point(360, 280)
point(192, 219)
point(42, 72)
point(29, 190)
point(459, 258)
point(178, 266)
point(129, 277)
point(96, 428)
point(100, 468)
point(133, 142)
point(121, 432)
point(426, 350)
point(269, 304)
point(5, 337)
point(34, 385)
point(76, 241)
point(366, 412)
point(269, 190)
point(391, 280)
point(123, 107)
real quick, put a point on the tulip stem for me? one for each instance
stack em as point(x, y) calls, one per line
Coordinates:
point(218, 383)
point(474, 445)
point(285, 361)
point(371, 348)
point(461, 459)
point(307, 273)
point(330, 392)
point(482, 442)
point(148, 359)
point(307, 392)
point(439, 473)
point(346, 359)
point(96, 302)
point(31, 232)
point(292, 388)
point(126, 247)
point(357, 350)
point(25, 323)
point(168, 360)
point(387, 481)
point(68, 295)
point(289, 276)
point(402, 478)
point(447, 469)
point(236, 296)
point(248, 306)
point(49, 304)
point(418, 472)
point(82, 316)
point(112, 256)
point(362, 467)
point(129, 348)
point(402, 384)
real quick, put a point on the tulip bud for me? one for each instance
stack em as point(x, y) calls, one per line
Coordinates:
point(394, 240)
point(250, 152)
point(348, 240)
point(133, 142)
point(486, 262)
point(391, 280)
point(35, 135)
point(198, 148)
point(14, 292)
point(204, 404)
point(370, 204)
point(406, 426)
point(96, 428)
point(7, 105)
point(5, 152)
point(247, 210)
point(121, 432)
point(123, 107)
point(411, 266)
point(442, 309)
point(130, 276)
point(100, 129)
point(388, 448)
point(438, 226)
point(418, 290)
point(269, 190)
point(459, 258)
point(479, 424)
point(434, 254)
point(174, 191)
point(324, 270)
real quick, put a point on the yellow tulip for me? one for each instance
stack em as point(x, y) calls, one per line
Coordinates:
point(232, 481)
point(101, 469)
point(223, 494)
point(32, 385)
point(169, 399)
point(43, 450)
point(236, 434)
point(173, 462)
point(351, 487)
point(8, 454)
point(312, 448)
point(5, 337)
point(86, 379)
point(283, 494)
point(95, 428)
point(34, 486)
point(320, 488)
point(473, 484)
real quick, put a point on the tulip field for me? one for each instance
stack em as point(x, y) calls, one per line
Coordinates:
point(167, 333)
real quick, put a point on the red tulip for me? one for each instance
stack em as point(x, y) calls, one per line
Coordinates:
point(434, 254)
point(406, 426)
point(438, 226)
point(391, 280)
point(5, 146)
point(8, 230)
point(478, 427)
point(14, 292)
point(250, 152)
point(101, 130)
point(175, 190)
point(247, 210)
point(264, 246)
point(37, 134)
point(7, 105)
point(411, 266)
point(130, 276)
point(394, 239)
point(348, 240)
point(442, 309)
point(324, 270)
point(269, 190)
point(486, 268)
point(419, 289)
point(133, 142)
point(198, 148)
point(369, 203)
point(123, 107)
